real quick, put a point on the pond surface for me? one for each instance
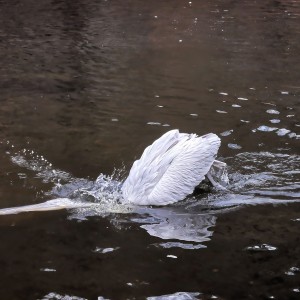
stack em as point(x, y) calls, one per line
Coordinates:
point(85, 86)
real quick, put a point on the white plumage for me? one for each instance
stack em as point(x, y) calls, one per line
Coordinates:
point(171, 168)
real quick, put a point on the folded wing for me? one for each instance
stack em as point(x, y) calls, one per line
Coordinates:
point(170, 168)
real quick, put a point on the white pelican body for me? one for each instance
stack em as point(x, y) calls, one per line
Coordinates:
point(171, 168)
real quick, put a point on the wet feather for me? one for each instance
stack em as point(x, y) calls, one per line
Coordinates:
point(170, 168)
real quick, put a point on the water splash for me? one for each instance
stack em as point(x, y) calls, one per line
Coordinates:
point(99, 197)
point(43, 169)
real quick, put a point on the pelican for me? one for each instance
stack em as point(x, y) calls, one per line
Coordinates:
point(167, 172)
point(171, 168)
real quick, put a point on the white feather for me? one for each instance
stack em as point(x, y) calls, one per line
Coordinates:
point(170, 168)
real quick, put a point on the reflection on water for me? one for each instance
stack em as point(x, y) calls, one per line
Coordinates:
point(86, 85)
point(169, 224)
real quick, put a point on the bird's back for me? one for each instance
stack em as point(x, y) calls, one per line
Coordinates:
point(170, 168)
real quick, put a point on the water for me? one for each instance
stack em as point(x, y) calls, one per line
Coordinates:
point(86, 86)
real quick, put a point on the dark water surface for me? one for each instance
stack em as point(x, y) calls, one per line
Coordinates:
point(86, 85)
